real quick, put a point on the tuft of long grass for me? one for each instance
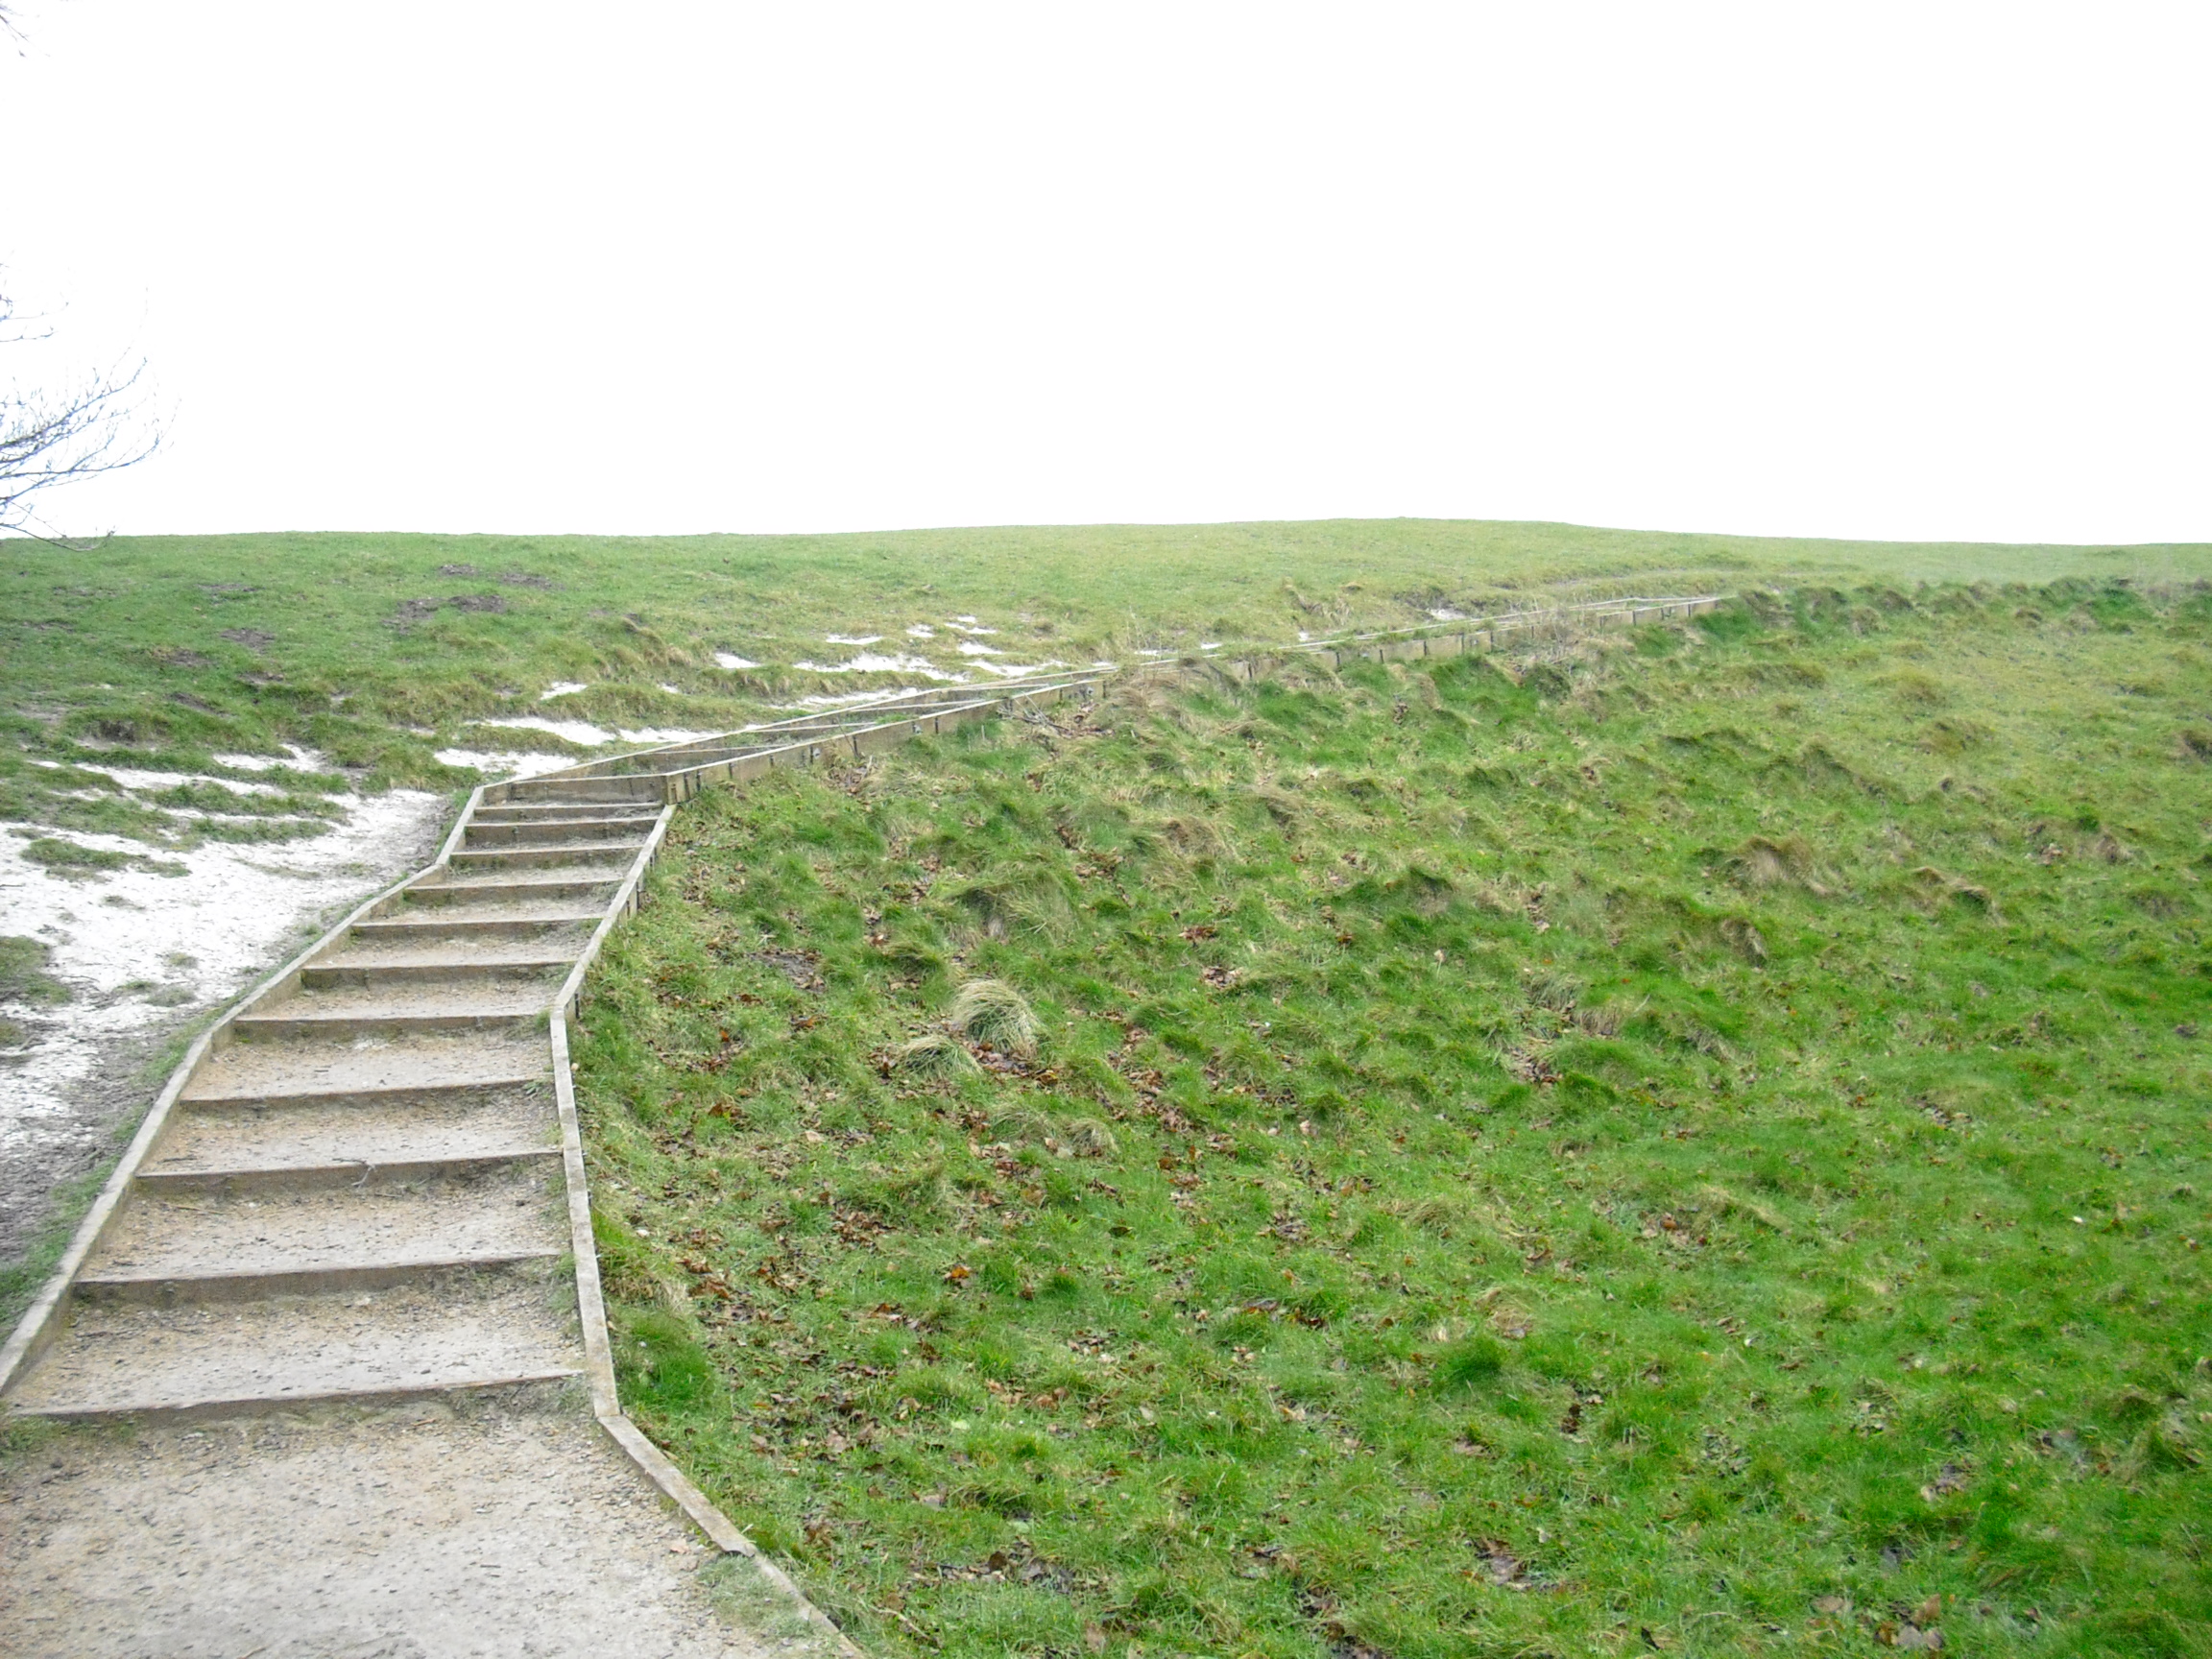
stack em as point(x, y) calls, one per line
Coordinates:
point(993, 1013)
point(933, 1055)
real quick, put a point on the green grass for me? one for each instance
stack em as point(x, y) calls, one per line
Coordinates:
point(23, 975)
point(24, 980)
point(1697, 1147)
point(376, 651)
point(74, 861)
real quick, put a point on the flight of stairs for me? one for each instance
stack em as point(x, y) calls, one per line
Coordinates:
point(358, 1195)
point(369, 1183)
point(362, 1192)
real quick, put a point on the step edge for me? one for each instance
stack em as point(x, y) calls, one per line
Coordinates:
point(393, 975)
point(479, 888)
point(330, 1096)
point(262, 1175)
point(244, 1286)
point(618, 816)
point(186, 1411)
point(459, 923)
point(525, 882)
point(586, 854)
point(311, 1024)
point(623, 845)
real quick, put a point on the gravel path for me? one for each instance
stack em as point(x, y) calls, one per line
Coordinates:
point(512, 1528)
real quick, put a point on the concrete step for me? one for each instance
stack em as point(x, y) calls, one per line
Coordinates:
point(474, 996)
point(676, 760)
point(555, 832)
point(367, 1011)
point(163, 1287)
point(580, 855)
point(262, 1073)
point(466, 947)
point(631, 789)
point(447, 1330)
point(516, 889)
point(192, 1246)
point(448, 967)
point(478, 922)
point(260, 1174)
point(558, 811)
point(159, 1405)
point(357, 1129)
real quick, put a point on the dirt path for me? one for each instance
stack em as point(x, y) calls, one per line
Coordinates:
point(494, 1527)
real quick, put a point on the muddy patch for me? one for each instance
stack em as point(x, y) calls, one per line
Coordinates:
point(409, 611)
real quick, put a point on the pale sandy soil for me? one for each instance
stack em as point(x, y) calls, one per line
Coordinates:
point(148, 954)
point(497, 764)
point(594, 737)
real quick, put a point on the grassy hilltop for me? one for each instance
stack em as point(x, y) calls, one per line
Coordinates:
point(1698, 1146)
point(376, 651)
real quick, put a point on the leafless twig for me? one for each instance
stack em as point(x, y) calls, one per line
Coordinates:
point(59, 435)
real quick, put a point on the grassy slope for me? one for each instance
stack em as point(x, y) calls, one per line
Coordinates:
point(126, 642)
point(1706, 1144)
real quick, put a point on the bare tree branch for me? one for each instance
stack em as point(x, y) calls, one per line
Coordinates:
point(61, 434)
point(49, 437)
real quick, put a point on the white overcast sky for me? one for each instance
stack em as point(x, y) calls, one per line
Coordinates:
point(1925, 270)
